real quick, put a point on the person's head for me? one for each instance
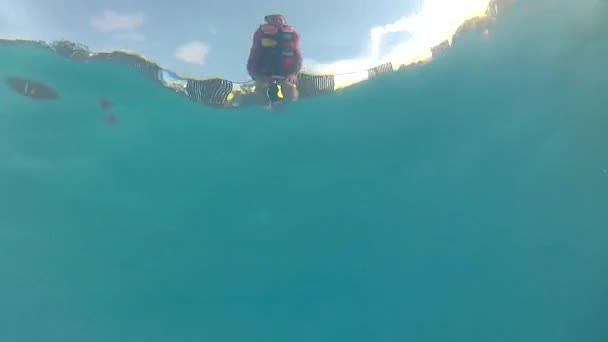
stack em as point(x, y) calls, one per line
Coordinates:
point(275, 19)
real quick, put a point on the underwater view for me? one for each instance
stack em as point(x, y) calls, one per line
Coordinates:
point(462, 197)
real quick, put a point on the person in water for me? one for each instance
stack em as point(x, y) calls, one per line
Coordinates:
point(275, 56)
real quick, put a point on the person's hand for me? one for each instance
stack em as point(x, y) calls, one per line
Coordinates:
point(292, 79)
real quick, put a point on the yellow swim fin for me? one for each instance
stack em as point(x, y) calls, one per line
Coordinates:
point(279, 92)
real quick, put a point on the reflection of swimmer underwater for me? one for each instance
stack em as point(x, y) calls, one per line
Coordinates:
point(275, 60)
point(272, 95)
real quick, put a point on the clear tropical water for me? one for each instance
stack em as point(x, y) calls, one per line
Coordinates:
point(463, 200)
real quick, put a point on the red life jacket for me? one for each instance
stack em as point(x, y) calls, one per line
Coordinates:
point(279, 47)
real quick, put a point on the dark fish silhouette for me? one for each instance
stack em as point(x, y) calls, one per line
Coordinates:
point(111, 120)
point(33, 89)
point(105, 104)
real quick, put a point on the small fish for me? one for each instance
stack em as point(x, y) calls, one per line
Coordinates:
point(33, 89)
point(111, 120)
point(105, 104)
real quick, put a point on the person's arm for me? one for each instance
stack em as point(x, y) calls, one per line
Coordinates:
point(254, 53)
point(296, 48)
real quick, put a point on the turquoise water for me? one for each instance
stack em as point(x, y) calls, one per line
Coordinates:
point(463, 200)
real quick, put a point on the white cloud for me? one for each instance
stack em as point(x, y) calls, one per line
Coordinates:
point(344, 66)
point(193, 52)
point(435, 22)
point(111, 21)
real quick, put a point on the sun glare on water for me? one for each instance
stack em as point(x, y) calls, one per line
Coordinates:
point(436, 22)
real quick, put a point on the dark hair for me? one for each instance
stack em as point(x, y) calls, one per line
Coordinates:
point(270, 16)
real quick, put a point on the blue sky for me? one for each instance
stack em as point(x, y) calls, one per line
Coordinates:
point(212, 38)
